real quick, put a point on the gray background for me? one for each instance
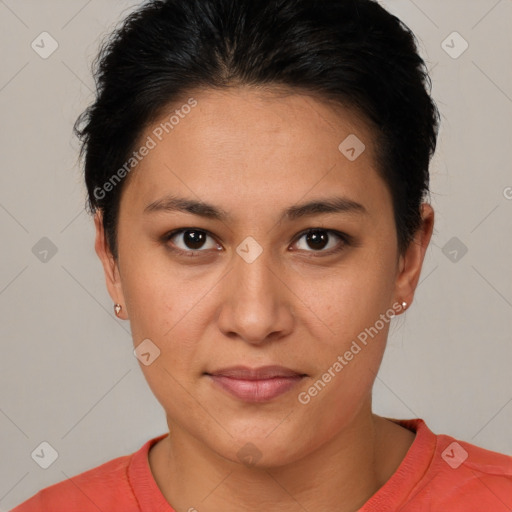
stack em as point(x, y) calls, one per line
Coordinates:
point(67, 371)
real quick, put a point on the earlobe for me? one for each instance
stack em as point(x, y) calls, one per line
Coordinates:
point(411, 262)
point(109, 263)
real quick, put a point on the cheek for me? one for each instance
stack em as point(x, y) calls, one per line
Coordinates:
point(351, 339)
point(159, 298)
point(170, 310)
point(348, 358)
point(349, 300)
point(177, 395)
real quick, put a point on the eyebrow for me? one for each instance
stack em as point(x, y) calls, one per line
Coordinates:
point(171, 203)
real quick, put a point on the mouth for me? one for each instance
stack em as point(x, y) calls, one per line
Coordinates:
point(255, 384)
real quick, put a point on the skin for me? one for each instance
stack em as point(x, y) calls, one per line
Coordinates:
point(254, 154)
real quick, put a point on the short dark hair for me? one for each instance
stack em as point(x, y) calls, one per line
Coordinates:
point(351, 51)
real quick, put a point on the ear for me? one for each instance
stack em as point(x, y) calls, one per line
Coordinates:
point(411, 262)
point(110, 265)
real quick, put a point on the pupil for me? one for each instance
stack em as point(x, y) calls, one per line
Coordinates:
point(317, 239)
point(194, 239)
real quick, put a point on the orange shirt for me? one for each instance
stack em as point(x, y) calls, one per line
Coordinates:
point(438, 474)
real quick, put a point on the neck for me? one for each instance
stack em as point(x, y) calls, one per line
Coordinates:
point(341, 474)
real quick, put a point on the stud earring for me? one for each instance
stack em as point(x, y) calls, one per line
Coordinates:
point(117, 309)
point(404, 305)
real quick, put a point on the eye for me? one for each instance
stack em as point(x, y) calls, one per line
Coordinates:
point(190, 240)
point(318, 239)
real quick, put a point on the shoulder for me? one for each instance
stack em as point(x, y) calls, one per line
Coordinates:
point(441, 473)
point(471, 466)
point(105, 487)
point(465, 475)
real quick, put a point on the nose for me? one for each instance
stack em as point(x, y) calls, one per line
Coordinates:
point(256, 302)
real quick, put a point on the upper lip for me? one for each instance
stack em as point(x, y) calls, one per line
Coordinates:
point(263, 372)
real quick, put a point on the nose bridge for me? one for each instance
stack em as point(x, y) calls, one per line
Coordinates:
point(255, 304)
point(253, 273)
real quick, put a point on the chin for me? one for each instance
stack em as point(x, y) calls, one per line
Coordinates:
point(262, 450)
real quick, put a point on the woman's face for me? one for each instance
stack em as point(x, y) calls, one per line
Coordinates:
point(244, 284)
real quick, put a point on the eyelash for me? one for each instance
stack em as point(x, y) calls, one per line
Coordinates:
point(346, 240)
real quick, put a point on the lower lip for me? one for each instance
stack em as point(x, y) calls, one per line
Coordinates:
point(256, 390)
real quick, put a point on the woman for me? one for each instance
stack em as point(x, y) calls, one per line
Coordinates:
point(257, 173)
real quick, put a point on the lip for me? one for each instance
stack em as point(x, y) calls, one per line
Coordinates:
point(256, 384)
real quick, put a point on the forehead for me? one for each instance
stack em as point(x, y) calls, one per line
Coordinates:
point(265, 145)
